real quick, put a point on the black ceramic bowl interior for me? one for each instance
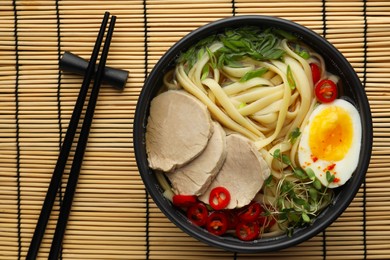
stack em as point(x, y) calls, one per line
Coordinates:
point(351, 87)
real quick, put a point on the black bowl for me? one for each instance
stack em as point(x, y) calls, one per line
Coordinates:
point(351, 88)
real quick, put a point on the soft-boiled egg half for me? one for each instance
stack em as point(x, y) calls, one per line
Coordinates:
point(331, 142)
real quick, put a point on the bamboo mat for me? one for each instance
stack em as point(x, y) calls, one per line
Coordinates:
point(112, 216)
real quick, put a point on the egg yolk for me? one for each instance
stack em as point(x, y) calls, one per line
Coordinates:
point(331, 134)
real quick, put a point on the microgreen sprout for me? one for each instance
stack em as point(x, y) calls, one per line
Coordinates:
point(300, 199)
point(294, 135)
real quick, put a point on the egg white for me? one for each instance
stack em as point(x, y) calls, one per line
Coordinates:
point(342, 169)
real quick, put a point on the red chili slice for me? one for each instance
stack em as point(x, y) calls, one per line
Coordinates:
point(315, 72)
point(247, 231)
point(183, 200)
point(217, 223)
point(326, 91)
point(197, 214)
point(219, 198)
point(251, 212)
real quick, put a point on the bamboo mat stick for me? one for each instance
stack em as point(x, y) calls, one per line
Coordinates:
point(92, 228)
point(103, 201)
point(86, 240)
point(93, 256)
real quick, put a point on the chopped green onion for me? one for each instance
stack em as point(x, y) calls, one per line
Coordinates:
point(213, 59)
point(238, 43)
point(286, 35)
point(304, 54)
point(200, 54)
point(253, 74)
point(229, 45)
point(221, 60)
point(205, 72)
point(243, 104)
point(275, 54)
point(290, 78)
point(301, 52)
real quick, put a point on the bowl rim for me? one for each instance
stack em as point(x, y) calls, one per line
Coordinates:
point(329, 215)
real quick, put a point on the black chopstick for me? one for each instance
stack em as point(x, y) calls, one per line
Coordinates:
point(81, 145)
point(65, 149)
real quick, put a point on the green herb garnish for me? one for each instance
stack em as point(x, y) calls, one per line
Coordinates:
point(253, 74)
point(304, 54)
point(329, 177)
point(290, 78)
point(245, 42)
point(268, 181)
point(286, 35)
point(213, 59)
point(301, 52)
point(205, 72)
point(294, 135)
point(299, 200)
point(242, 105)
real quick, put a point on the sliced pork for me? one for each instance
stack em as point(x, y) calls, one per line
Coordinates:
point(195, 177)
point(242, 174)
point(178, 130)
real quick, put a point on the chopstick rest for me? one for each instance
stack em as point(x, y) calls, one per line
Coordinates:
point(72, 63)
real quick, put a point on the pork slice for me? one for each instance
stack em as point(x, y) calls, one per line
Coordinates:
point(179, 127)
point(242, 174)
point(195, 177)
